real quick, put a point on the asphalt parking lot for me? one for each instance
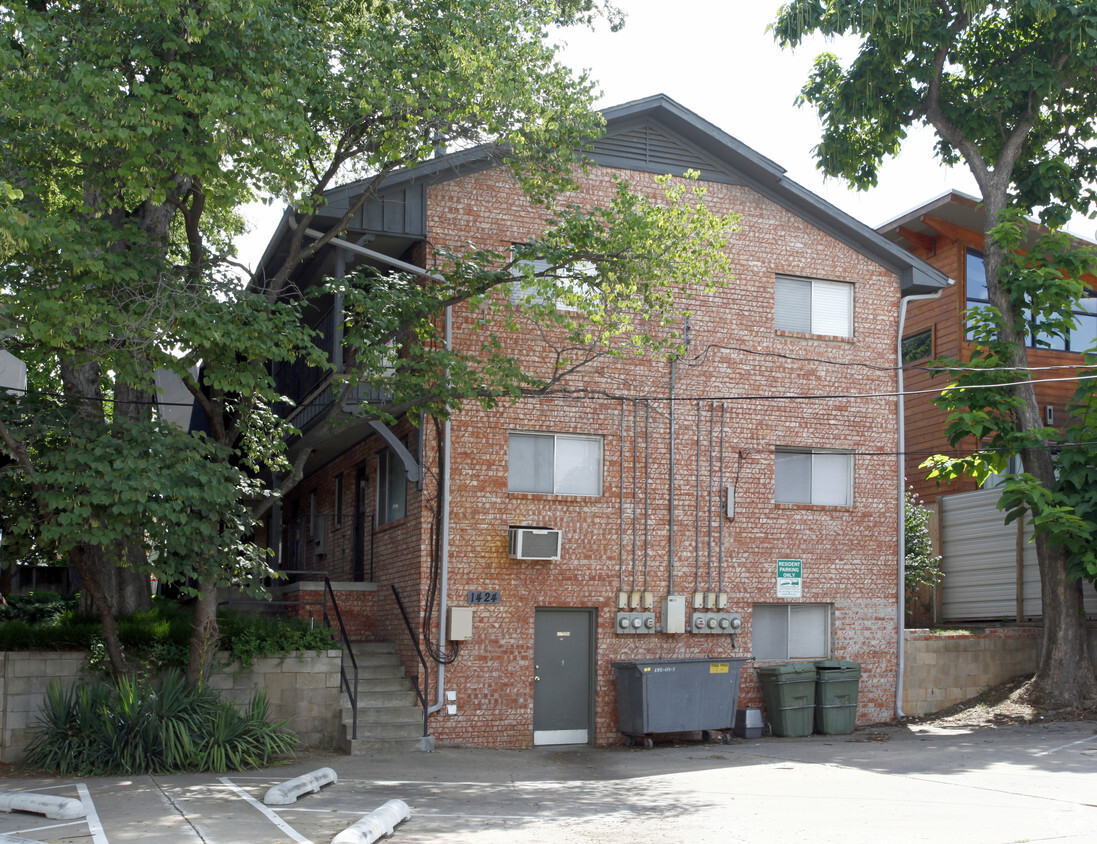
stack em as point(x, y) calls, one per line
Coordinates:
point(894, 784)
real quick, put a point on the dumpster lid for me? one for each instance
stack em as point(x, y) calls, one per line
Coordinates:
point(833, 664)
point(639, 663)
point(788, 669)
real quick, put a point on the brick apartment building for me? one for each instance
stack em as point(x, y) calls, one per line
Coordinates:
point(773, 438)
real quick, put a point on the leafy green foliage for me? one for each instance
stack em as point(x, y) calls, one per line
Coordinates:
point(127, 152)
point(603, 281)
point(988, 75)
point(158, 639)
point(922, 567)
point(36, 607)
point(160, 726)
point(982, 408)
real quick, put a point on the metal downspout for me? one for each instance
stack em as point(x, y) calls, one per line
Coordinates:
point(444, 587)
point(901, 603)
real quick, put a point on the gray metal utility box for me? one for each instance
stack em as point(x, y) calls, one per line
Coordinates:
point(677, 695)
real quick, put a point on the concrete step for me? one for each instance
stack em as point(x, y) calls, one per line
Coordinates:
point(374, 659)
point(389, 716)
point(385, 715)
point(363, 746)
point(410, 729)
point(373, 647)
point(377, 672)
point(371, 696)
point(383, 684)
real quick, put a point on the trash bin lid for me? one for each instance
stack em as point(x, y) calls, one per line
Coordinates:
point(788, 670)
point(832, 664)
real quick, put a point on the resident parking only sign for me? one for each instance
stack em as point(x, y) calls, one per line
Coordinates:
point(790, 578)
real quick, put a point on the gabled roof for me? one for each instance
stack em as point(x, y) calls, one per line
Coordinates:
point(654, 134)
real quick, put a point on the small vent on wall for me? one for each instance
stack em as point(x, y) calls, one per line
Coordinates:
point(1049, 414)
point(320, 535)
point(534, 543)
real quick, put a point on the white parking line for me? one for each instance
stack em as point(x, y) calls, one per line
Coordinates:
point(1065, 746)
point(271, 816)
point(43, 828)
point(94, 826)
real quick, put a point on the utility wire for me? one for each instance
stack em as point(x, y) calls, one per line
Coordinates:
point(606, 396)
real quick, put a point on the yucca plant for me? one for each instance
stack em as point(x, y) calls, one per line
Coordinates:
point(137, 726)
point(67, 736)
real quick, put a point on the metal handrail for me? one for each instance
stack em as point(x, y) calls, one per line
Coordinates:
point(352, 693)
point(422, 695)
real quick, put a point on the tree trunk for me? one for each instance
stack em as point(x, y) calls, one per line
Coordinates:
point(85, 559)
point(204, 636)
point(1065, 677)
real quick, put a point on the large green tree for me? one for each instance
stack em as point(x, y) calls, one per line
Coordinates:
point(1009, 89)
point(133, 132)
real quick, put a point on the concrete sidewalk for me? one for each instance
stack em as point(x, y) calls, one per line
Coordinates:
point(895, 784)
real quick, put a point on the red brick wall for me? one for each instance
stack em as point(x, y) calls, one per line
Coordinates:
point(849, 554)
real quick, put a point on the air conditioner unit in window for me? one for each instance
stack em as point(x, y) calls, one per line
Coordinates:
point(534, 543)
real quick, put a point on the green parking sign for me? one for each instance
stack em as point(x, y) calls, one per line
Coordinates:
point(790, 578)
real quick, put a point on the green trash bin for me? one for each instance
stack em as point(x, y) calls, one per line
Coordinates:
point(788, 690)
point(836, 685)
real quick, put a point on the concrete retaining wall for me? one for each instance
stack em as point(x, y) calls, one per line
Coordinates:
point(946, 668)
point(304, 686)
point(943, 668)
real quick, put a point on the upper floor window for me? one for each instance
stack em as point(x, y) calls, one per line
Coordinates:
point(571, 281)
point(812, 306)
point(814, 476)
point(392, 487)
point(560, 464)
point(1082, 336)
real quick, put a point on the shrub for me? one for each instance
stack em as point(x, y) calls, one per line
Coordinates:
point(159, 638)
point(36, 608)
point(137, 726)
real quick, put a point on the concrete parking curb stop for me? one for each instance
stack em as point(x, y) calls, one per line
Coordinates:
point(53, 807)
point(287, 792)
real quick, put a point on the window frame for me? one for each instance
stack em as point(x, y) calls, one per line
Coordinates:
point(556, 485)
point(917, 335)
point(788, 282)
point(387, 459)
point(520, 294)
point(1034, 338)
point(827, 633)
point(813, 453)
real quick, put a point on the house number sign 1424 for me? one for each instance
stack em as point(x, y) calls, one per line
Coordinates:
point(485, 596)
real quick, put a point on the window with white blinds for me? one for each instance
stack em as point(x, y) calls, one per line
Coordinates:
point(813, 476)
point(812, 306)
point(790, 631)
point(557, 464)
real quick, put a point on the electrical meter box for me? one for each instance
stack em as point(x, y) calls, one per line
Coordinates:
point(460, 624)
point(674, 614)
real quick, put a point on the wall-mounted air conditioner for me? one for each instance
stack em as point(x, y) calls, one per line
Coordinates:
point(534, 543)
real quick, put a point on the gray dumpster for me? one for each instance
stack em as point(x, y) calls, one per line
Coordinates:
point(836, 686)
point(677, 696)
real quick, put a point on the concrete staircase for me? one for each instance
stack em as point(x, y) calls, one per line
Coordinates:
point(389, 716)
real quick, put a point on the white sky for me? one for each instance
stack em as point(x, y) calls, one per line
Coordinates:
point(716, 59)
